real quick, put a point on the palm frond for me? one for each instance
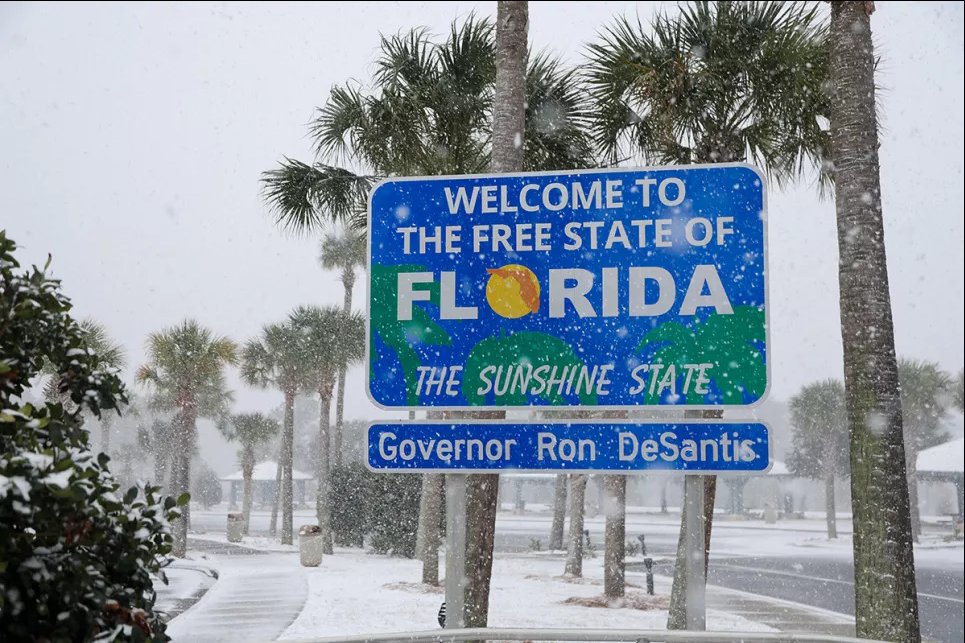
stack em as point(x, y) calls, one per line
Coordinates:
point(556, 118)
point(305, 198)
point(717, 81)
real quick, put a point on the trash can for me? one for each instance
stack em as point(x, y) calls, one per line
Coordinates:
point(310, 545)
point(236, 527)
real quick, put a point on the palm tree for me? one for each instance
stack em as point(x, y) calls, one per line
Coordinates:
point(279, 359)
point(427, 111)
point(507, 155)
point(250, 429)
point(559, 512)
point(716, 82)
point(886, 599)
point(924, 405)
point(157, 441)
point(185, 369)
point(574, 553)
point(820, 439)
point(344, 250)
point(332, 340)
point(111, 355)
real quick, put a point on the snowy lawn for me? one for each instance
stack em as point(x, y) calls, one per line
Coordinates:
point(261, 543)
point(356, 593)
point(932, 548)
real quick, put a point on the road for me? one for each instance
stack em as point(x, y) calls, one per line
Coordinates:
point(766, 560)
point(828, 583)
point(808, 575)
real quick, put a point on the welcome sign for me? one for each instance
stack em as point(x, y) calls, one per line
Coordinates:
point(614, 288)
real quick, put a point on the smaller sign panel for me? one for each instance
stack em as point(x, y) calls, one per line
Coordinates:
point(692, 446)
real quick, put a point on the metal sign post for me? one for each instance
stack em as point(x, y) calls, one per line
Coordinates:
point(694, 552)
point(455, 549)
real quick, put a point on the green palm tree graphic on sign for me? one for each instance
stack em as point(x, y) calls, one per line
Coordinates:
point(519, 349)
point(729, 342)
point(401, 335)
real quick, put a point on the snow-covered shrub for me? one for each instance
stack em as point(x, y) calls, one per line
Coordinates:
point(384, 506)
point(206, 487)
point(394, 513)
point(76, 554)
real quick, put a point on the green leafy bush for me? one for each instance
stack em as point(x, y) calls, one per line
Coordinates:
point(384, 506)
point(351, 499)
point(78, 557)
point(206, 488)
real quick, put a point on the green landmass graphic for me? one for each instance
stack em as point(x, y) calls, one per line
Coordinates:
point(536, 349)
point(400, 335)
point(729, 342)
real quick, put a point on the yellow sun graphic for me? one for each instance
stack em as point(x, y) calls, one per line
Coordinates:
point(512, 291)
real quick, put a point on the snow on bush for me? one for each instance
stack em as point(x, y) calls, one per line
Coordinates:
point(77, 554)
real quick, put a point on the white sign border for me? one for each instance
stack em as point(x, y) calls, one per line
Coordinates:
point(576, 471)
point(764, 214)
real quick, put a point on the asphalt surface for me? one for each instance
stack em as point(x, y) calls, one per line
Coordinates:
point(815, 578)
point(828, 583)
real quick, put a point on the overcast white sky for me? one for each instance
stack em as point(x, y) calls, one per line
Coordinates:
point(132, 138)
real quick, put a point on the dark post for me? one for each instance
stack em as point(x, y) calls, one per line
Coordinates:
point(648, 563)
point(643, 544)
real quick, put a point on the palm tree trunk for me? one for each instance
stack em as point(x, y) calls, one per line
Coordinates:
point(160, 467)
point(247, 471)
point(677, 615)
point(911, 470)
point(559, 513)
point(323, 510)
point(348, 282)
point(287, 456)
point(181, 477)
point(482, 497)
point(433, 488)
point(509, 117)
point(107, 422)
point(276, 500)
point(829, 509)
point(886, 601)
point(614, 558)
point(574, 552)
point(913, 503)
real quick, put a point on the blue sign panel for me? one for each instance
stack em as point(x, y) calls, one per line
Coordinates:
point(612, 288)
point(692, 446)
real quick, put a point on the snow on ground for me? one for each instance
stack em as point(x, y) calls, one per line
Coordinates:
point(187, 578)
point(355, 593)
point(936, 548)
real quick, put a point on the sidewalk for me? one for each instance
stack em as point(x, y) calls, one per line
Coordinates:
point(781, 615)
point(256, 597)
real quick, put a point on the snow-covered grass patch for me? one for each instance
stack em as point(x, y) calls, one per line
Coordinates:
point(261, 543)
point(357, 593)
point(632, 600)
